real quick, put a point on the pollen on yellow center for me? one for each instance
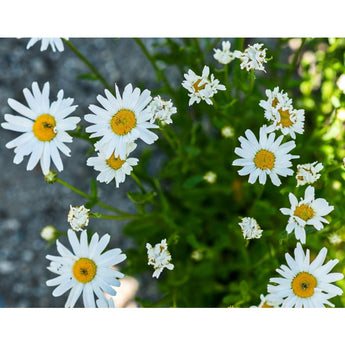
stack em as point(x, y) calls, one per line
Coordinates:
point(196, 86)
point(44, 127)
point(285, 119)
point(264, 159)
point(115, 163)
point(304, 212)
point(84, 270)
point(123, 121)
point(303, 285)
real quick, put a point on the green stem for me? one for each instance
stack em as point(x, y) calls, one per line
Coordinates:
point(89, 64)
point(154, 64)
point(168, 138)
point(295, 60)
point(108, 216)
point(138, 182)
point(87, 196)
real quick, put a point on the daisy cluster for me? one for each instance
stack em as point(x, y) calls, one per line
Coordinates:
point(252, 58)
point(303, 283)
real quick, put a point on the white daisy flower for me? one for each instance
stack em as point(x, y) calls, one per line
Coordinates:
point(250, 228)
point(253, 57)
point(78, 217)
point(113, 168)
point(54, 43)
point(121, 121)
point(86, 270)
point(269, 301)
point(44, 127)
point(210, 177)
point(159, 257)
point(288, 120)
point(161, 110)
point(105, 303)
point(308, 173)
point(224, 55)
point(305, 284)
point(264, 157)
point(201, 87)
point(307, 211)
point(275, 100)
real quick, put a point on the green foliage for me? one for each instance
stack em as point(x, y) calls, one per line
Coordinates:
point(214, 265)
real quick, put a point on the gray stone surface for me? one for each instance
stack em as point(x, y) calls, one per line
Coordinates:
point(27, 203)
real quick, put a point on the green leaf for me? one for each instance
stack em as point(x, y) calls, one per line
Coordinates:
point(87, 76)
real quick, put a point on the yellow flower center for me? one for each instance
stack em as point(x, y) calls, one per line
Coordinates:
point(285, 120)
point(123, 122)
point(303, 285)
point(264, 159)
point(275, 102)
point(84, 270)
point(115, 163)
point(265, 305)
point(196, 86)
point(304, 212)
point(44, 127)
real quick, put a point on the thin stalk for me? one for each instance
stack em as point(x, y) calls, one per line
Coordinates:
point(89, 64)
point(138, 182)
point(153, 63)
point(109, 216)
point(295, 60)
point(89, 197)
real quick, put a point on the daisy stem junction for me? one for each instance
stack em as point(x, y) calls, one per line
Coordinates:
point(89, 197)
point(90, 65)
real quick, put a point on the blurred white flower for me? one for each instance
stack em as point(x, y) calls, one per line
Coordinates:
point(210, 177)
point(224, 56)
point(227, 132)
point(49, 233)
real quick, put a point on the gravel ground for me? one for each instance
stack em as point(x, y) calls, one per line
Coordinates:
point(27, 203)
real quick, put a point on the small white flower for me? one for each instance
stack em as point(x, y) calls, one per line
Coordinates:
point(305, 284)
point(275, 100)
point(308, 173)
point(210, 177)
point(44, 128)
point(86, 270)
point(161, 110)
point(159, 257)
point(49, 233)
point(269, 301)
point(227, 132)
point(123, 120)
point(250, 228)
point(264, 157)
point(341, 83)
point(307, 211)
point(253, 57)
point(334, 238)
point(55, 43)
point(224, 56)
point(78, 217)
point(113, 168)
point(201, 87)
